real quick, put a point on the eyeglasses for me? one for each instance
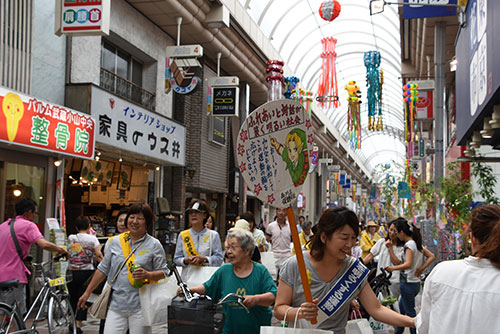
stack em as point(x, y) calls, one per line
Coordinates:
point(231, 247)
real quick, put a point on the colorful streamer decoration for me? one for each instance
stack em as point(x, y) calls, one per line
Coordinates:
point(274, 79)
point(328, 90)
point(329, 10)
point(374, 82)
point(306, 98)
point(353, 114)
point(410, 97)
point(291, 84)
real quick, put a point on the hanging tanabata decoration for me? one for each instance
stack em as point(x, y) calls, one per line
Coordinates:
point(274, 78)
point(291, 85)
point(353, 114)
point(374, 82)
point(328, 90)
point(329, 10)
point(410, 97)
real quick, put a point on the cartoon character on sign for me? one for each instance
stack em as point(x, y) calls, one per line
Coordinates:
point(13, 109)
point(294, 154)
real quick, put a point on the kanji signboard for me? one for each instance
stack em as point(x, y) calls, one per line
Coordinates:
point(30, 122)
point(85, 17)
point(127, 126)
point(273, 151)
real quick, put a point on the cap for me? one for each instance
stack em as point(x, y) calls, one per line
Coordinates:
point(371, 223)
point(241, 225)
point(197, 205)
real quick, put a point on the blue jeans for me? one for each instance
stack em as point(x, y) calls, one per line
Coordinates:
point(407, 303)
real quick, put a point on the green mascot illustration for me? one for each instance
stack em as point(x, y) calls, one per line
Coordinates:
point(294, 154)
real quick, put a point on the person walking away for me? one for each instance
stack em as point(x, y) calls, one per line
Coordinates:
point(258, 235)
point(306, 235)
point(197, 246)
point(11, 258)
point(368, 239)
point(146, 265)
point(411, 267)
point(463, 296)
point(336, 279)
point(83, 247)
point(280, 236)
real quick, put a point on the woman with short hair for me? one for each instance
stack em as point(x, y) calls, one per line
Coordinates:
point(463, 296)
point(146, 265)
point(244, 277)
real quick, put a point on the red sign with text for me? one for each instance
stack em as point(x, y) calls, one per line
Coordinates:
point(30, 122)
point(425, 104)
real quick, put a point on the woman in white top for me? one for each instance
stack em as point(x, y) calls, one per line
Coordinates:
point(389, 252)
point(463, 296)
point(258, 235)
point(83, 247)
point(411, 267)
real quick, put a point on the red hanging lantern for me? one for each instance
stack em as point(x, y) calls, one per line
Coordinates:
point(329, 10)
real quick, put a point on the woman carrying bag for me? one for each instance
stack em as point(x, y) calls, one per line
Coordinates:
point(144, 263)
point(336, 278)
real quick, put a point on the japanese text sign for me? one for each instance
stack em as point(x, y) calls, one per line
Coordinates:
point(127, 126)
point(273, 150)
point(30, 122)
point(225, 101)
point(85, 17)
point(417, 8)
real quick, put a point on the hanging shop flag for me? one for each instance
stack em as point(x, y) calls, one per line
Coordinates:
point(273, 151)
point(342, 179)
point(419, 9)
point(30, 122)
point(182, 69)
point(374, 83)
point(83, 17)
point(127, 126)
point(347, 184)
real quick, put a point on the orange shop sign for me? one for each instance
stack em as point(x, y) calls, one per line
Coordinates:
point(30, 122)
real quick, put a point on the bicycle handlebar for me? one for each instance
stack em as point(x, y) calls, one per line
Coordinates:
point(239, 300)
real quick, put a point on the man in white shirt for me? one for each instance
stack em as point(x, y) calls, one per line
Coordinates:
point(280, 236)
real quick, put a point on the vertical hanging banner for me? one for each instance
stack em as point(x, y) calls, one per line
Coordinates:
point(29, 122)
point(273, 151)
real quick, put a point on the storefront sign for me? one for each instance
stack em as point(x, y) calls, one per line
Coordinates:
point(218, 129)
point(225, 101)
point(34, 123)
point(182, 70)
point(419, 10)
point(478, 71)
point(84, 17)
point(126, 126)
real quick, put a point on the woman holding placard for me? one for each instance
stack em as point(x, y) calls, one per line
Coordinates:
point(336, 278)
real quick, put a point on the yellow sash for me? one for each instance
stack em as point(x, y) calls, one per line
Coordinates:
point(188, 243)
point(125, 243)
point(367, 239)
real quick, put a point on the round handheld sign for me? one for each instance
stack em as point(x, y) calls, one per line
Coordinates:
point(273, 151)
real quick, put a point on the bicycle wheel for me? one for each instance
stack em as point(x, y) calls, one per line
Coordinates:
point(9, 320)
point(60, 316)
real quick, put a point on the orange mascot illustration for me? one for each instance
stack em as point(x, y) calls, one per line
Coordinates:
point(13, 109)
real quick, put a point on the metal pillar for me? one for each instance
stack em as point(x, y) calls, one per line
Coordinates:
point(439, 68)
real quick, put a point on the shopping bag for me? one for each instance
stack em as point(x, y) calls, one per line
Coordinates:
point(358, 326)
point(290, 330)
point(99, 308)
point(379, 327)
point(267, 259)
point(196, 275)
point(155, 299)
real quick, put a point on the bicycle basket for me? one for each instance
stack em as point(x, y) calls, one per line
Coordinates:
point(199, 316)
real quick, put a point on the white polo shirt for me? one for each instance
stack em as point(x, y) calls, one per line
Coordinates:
point(280, 239)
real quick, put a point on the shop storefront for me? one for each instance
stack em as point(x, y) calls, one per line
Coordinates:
point(34, 137)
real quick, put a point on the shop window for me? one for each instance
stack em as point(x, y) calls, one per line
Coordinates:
point(122, 75)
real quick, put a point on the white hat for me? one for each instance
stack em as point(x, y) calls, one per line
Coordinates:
point(241, 225)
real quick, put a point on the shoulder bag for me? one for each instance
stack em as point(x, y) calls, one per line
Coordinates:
point(99, 308)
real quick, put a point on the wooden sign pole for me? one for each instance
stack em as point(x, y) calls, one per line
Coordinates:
point(300, 257)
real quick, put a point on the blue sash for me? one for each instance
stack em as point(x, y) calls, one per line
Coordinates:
point(342, 290)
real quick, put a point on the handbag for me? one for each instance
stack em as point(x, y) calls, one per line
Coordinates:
point(358, 326)
point(155, 299)
point(195, 275)
point(288, 330)
point(99, 308)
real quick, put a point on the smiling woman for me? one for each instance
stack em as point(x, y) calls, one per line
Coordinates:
point(334, 275)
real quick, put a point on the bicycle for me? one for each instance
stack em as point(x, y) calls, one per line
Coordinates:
point(53, 299)
point(380, 286)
